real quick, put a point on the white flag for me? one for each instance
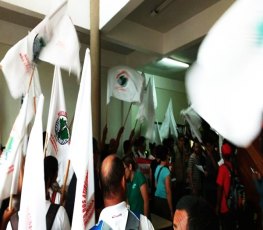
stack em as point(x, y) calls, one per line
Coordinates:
point(63, 47)
point(169, 124)
point(32, 214)
point(124, 83)
point(81, 153)
point(17, 67)
point(12, 152)
point(225, 83)
point(53, 40)
point(57, 126)
point(156, 136)
point(194, 122)
point(147, 107)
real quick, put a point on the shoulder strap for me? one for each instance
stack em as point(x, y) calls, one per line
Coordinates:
point(14, 221)
point(230, 170)
point(159, 173)
point(51, 214)
point(53, 197)
point(132, 222)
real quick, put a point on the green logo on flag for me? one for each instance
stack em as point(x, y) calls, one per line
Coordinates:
point(61, 129)
point(122, 80)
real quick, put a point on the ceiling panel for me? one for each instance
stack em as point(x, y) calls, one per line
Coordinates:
point(172, 15)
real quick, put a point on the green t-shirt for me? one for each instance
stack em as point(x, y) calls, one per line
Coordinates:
point(134, 195)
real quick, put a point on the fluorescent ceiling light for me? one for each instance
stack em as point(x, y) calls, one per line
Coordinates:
point(159, 8)
point(173, 63)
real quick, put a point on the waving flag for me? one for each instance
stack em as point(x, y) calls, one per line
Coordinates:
point(225, 83)
point(62, 48)
point(32, 214)
point(81, 153)
point(53, 40)
point(156, 136)
point(194, 122)
point(146, 112)
point(124, 83)
point(57, 143)
point(12, 153)
point(17, 67)
point(169, 123)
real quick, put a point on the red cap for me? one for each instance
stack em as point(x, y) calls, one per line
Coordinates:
point(226, 149)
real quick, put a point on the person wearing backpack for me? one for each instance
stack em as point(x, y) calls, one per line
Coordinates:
point(223, 189)
point(116, 214)
point(56, 216)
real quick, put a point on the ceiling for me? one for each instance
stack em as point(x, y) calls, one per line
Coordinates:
point(141, 33)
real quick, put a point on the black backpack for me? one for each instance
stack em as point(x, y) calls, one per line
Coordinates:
point(236, 196)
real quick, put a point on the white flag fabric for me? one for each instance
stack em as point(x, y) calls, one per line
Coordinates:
point(225, 83)
point(32, 214)
point(81, 153)
point(17, 67)
point(194, 122)
point(156, 136)
point(58, 136)
point(124, 83)
point(146, 112)
point(63, 48)
point(53, 40)
point(12, 152)
point(169, 124)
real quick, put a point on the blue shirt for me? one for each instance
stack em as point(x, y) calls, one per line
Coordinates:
point(160, 186)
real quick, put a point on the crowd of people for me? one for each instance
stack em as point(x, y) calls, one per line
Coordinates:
point(188, 185)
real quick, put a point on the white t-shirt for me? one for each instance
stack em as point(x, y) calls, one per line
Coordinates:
point(61, 221)
point(116, 217)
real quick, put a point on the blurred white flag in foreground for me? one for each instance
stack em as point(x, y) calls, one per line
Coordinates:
point(225, 83)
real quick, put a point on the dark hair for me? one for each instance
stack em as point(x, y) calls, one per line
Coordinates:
point(50, 169)
point(126, 146)
point(140, 141)
point(201, 216)
point(127, 160)
point(50, 172)
point(161, 152)
point(111, 181)
point(180, 136)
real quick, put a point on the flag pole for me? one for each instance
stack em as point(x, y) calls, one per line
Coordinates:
point(46, 142)
point(135, 124)
point(30, 82)
point(64, 184)
point(127, 115)
point(106, 116)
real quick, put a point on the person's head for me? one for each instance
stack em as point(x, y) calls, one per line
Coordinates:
point(209, 145)
point(194, 213)
point(129, 165)
point(141, 144)
point(227, 151)
point(180, 141)
point(50, 170)
point(127, 147)
point(197, 148)
point(161, 152)
point(112, 179)
point(112, 146)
